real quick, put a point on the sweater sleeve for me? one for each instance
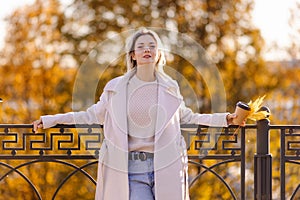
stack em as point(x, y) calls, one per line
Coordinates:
point(187, 116)
point(93, 115)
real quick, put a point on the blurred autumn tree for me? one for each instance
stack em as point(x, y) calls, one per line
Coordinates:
point(35, 76)
point(46, 39)
point(47, 43)
point(223, 28)
point(286, 97)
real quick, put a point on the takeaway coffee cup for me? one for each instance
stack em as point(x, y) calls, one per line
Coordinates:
point(242, 110)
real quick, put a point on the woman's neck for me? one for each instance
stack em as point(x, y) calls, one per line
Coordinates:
point(146, 73)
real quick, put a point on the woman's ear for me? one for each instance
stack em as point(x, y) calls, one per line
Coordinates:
point(132, 55)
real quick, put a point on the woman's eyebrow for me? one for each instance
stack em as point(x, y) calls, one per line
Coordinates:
point(144, 43)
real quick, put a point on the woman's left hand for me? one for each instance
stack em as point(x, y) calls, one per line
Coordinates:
point(230, 118)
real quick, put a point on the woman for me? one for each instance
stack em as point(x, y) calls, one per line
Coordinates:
point(143, 155)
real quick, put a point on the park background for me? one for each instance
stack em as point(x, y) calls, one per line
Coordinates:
point(47, 41)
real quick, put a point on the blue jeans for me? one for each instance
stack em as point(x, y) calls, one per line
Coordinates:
point(141, 179)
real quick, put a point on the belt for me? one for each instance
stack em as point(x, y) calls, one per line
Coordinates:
point(139, 155)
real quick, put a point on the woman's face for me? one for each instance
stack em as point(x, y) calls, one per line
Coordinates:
point(145, 50)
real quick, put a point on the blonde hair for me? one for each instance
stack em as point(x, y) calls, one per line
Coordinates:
point(130, 44)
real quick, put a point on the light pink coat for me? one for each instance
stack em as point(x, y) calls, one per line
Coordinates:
point(170, 160)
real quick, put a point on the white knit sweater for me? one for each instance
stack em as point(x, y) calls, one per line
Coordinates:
point(142, 110)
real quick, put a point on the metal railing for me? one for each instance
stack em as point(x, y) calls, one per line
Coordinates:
point(77, 148)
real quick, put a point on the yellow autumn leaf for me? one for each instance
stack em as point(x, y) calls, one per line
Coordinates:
point(255, 114)
point(258, 115)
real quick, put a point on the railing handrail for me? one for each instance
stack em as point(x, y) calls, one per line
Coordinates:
point(272, 126)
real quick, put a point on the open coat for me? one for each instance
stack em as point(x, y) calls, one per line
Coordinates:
point(170, 157)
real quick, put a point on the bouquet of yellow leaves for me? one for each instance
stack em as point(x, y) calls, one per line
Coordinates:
point(251, 110)
point(255, 112)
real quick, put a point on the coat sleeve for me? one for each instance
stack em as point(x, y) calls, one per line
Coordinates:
point(187, 116)
point(93, 115)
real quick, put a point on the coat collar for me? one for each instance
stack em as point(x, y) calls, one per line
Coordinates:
point(118, 84)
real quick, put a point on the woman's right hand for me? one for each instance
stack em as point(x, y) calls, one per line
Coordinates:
point(37, 124)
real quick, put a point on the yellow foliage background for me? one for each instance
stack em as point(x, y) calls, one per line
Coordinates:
point(48, 41)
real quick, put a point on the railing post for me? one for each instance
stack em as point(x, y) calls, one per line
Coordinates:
point(263, 162)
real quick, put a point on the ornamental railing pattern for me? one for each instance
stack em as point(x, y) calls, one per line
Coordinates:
point(52, 163)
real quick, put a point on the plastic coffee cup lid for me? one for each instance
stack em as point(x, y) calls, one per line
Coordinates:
point(243, 105)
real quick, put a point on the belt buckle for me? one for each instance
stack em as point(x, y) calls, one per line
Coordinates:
point(142, 156)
